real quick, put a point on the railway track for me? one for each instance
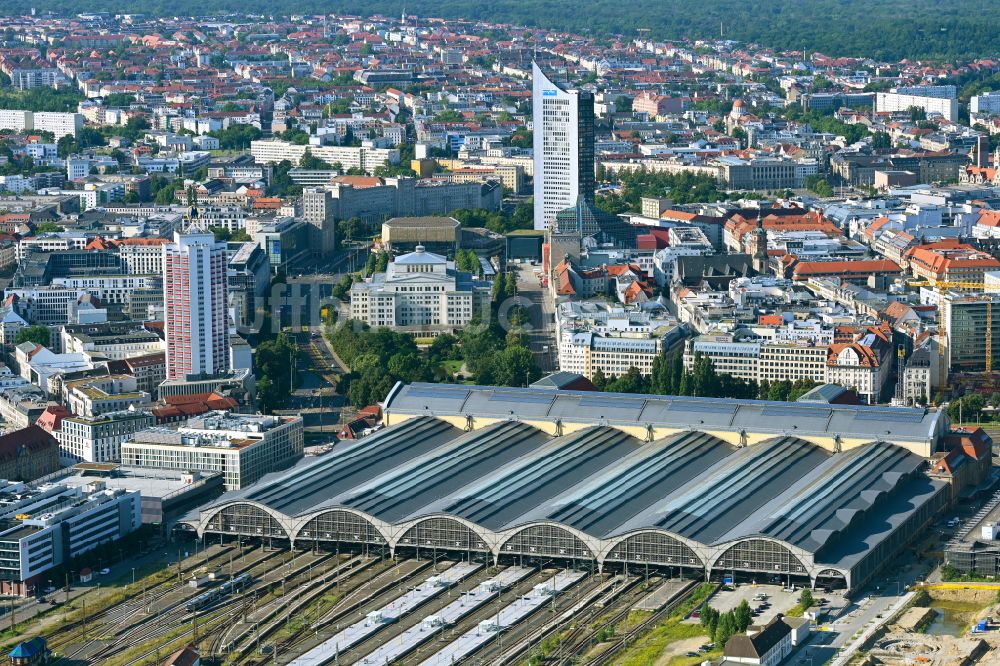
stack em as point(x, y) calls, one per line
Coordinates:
point(365, 594)
point(537, 629)
point(633, 634)
point(119, 624)
point(127, 608)
point(618, 597)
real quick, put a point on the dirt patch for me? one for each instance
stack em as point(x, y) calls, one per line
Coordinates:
point(916, 619)
point(982, 597)
point(680, 648)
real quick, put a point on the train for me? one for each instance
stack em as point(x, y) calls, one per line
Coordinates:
point(205, 598)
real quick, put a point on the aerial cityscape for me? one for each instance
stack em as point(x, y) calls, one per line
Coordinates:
point(522, 333)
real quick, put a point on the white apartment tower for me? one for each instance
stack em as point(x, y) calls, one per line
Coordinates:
point(194, 306)
point(564, 147)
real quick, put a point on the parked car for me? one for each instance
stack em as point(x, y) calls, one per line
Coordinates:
point(105, 571)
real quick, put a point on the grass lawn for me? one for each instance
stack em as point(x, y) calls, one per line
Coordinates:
point(452, 366)
point(647, 649)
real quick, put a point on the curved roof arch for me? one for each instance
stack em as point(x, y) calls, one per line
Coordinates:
point(553, 540)
point(762, 553)
point(649, 543)
point(311, 520)
point(278, 518)
point(411, 530)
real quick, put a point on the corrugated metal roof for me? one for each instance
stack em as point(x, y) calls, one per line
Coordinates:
point(902, 424)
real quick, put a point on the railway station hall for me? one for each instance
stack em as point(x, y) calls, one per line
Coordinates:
point(807, 493)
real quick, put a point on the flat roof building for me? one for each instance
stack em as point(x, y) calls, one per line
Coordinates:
point(243, 447)
point(436, 234)
point(46, 526)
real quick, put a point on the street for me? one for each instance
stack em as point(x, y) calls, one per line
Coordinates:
point(542, 336)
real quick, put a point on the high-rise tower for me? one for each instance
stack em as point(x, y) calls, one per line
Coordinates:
point(194, 306)
point(564, 146)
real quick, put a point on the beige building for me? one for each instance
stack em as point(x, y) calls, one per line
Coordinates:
point(242, 447)
point(420, 291)
point(761, 360)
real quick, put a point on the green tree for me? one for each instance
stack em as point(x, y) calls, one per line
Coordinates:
point(37, 333)
point(806, 599)
point(513, 366)
point(274, 361)
point(726, 628)
point(48, 228)
point(743, 616)
point(881, 141)
point(310, 161)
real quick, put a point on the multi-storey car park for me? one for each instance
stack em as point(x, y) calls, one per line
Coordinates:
point(705, 487)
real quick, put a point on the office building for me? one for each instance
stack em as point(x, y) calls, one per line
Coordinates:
point(93, 396)
point(51, 524)
point(595, 336)
point(142, 256)
point(116, 340)
point(194, 306)
point(164, 492)
point(759, 360)
point(964, 318)
point(564, 147)
point(286, 241)
point(318, 211)
point(243, 447)
point(98, 439)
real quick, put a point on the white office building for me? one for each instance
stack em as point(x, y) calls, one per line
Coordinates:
point(596, 336)
point(47, 526)
point(761, 360)
point(563, 148)
point(99, 438)
point(243, 447)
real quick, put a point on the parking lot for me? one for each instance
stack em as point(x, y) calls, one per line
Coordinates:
point(779, 600)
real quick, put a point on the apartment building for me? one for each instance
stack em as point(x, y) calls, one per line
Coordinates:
point(366, 158)
point(951, 261)
point(891, 102)
point(99, 438)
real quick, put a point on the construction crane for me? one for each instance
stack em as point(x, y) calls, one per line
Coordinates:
point(963, 285)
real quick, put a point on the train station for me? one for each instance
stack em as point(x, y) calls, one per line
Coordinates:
point(802, 493)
